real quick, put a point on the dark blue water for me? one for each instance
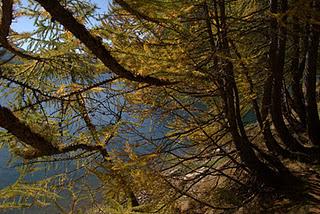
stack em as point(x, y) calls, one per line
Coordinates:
point(9, 166)
point(8, 175)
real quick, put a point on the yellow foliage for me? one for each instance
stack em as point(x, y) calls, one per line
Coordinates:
point(97, 89)
point(61, 90)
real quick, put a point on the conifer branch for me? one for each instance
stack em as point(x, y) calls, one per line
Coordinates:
point(6, 18)
point(65, 17)
point(5, 23)
point(137, 13)
point(40, 145)
point(24, 133)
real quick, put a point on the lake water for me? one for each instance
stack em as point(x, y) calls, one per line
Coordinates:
point(9, 175)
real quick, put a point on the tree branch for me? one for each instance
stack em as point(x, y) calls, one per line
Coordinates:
point(40, 145)
point(65, 17)
point(6, 20)
point(23, 132)
point(137, 13)
point(6, 17)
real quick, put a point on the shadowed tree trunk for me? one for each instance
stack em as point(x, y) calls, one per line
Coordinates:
point(297, 67)
point(277, 60)
point(313, 122)
point(281, 178)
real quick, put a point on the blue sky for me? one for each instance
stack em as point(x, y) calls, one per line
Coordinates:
point(25, 24)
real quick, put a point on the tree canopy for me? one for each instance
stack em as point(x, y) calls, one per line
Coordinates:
point(166, 103)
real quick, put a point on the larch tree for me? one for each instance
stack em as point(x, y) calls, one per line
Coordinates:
point(158, 92)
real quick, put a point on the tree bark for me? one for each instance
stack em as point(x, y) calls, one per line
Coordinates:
point(313, 122)
point(278, 179)
point(277, 60)
point(297, 67)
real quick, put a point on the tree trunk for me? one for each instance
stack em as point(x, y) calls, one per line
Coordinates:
point(313, 122)
point(279, 179)
point(277, 59)
point(297, 67)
